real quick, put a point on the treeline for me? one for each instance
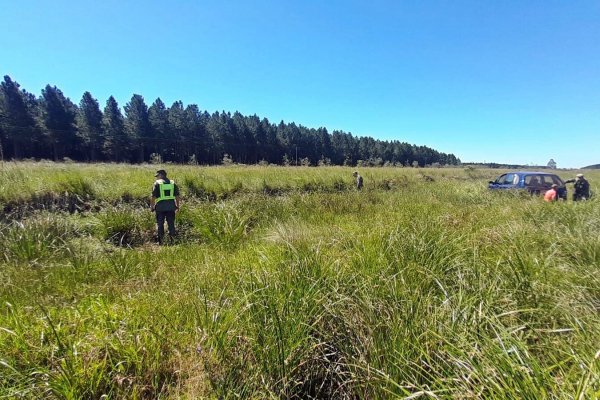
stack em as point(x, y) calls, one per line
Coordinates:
point(51, 126)
point(492, 165)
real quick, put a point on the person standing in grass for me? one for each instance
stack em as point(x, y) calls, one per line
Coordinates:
point(164, 202)
point(551, 194)
point(359, 180)
point(581, 186)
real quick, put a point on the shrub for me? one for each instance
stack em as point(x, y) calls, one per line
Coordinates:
point(36, 240)
point(197, 189)
point(126, 226)
point(227, 160)
point(156, 158)
point(75, 184)
point(223, 224)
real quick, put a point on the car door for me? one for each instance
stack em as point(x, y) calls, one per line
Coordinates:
point(534, 183)
point(505, 181)
point(495, 184)
point(549, 180)
point(561, 190)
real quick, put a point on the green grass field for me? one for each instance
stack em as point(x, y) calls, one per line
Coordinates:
point(287, 283)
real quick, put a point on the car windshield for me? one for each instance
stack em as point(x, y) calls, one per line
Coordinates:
point(508, 179)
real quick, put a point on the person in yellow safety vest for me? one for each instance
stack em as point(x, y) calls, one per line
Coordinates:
point(164, 201)
point(551, 194)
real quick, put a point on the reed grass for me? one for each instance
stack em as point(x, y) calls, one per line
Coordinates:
point(288, 283)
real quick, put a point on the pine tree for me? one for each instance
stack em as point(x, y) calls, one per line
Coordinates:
point(228, 137)
point(324, 139)
point(289, 137)
point(158, 117)
point(89, 126)
point(246, 146)
point(175, 143)
point(259, 139)
point(273, 148)
point(116, 141)
point(58, 119)
point(137, 125)
point(194, 132)
point(213, 132)
point(17, 117)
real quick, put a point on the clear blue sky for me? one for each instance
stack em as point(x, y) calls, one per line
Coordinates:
point(501, 81)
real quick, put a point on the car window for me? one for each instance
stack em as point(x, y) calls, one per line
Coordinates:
point(510, 179)
point(548, 180)
point(533, 180)
point(500, 179)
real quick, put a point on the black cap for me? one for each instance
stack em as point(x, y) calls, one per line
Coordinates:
point(161, 172)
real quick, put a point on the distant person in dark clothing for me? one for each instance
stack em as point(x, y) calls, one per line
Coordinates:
point(581, 186)
point(359, 180)
point(164, 201)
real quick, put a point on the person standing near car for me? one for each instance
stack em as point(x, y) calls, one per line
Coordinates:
point(582, 188)
point(551, 194)
point(359, 180)
point(164, 202)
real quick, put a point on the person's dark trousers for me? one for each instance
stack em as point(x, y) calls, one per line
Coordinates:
point(160, 222)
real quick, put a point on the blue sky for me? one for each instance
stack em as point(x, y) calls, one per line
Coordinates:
point(509, 82)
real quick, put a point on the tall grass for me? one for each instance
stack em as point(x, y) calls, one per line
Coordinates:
point(412, 288)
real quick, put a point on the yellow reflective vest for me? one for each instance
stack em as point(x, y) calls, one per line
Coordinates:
point(167, 191)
